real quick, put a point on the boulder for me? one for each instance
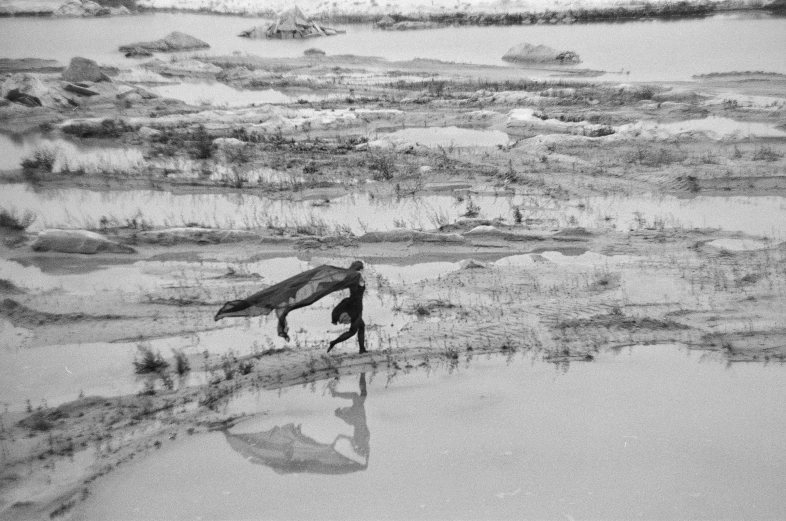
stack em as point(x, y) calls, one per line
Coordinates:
point(471, 264)
point(77, 241)
point(82, 69)
point(528, 53)
point(188, 68)
point(195, 236)
point(173, 42)
point(71, 8)
point(24, 88)
point(386, 21)
point(313, 52)
point(94, 9)
point(82, 91)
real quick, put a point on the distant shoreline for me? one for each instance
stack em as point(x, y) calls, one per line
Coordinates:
point(634, 13)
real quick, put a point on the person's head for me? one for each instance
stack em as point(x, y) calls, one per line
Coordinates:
point(357, 265)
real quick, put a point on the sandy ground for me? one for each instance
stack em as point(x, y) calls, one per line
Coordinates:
point(564, 292)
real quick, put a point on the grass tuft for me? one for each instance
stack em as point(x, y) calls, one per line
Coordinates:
point(10, 220)
point(146, 361)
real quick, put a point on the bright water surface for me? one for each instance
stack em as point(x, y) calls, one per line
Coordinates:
point(654, 432)
point(657, 50)
point(79, 208)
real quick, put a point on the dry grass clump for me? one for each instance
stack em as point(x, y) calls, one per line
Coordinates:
point(10, 220)
point(147, 361)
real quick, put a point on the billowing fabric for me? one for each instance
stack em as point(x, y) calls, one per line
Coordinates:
point(293, 293)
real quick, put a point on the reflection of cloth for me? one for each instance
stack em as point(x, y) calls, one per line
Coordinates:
point(287, 450)
point(293, 293)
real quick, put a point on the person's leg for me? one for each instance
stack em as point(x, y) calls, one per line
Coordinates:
point(283, 329)
point(362, 335)
point(348, 334)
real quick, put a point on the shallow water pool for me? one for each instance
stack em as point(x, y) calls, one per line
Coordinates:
point(362, 212)
point(652, 432)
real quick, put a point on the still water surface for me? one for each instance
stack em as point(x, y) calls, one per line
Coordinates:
point(654, 432)
point(361, 212)
point(656, 50)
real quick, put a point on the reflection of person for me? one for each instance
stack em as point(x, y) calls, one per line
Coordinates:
point(355, 416)
point(350, 311)
point(287, 450)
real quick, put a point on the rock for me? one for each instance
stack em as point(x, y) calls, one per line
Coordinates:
point(77, 241)
point(94, 9)
point(75, 8)
point(82, 91)
point(82, 69)
point(24, 99)
point(413, 26)
point(188, 68)
point(68, 9)
point(24, 88)
point(386, 21)
point(493, 233)
point(149, 133)
point(194, 235)
point(314, 52)
point(528, 53)
point(257, 32)
point(175, 41)
point(410, 236)
point(471, 264)
point(119, 11)
point(138, 52)
point(676, 95)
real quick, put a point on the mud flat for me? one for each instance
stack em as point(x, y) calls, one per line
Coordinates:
point(559, 221)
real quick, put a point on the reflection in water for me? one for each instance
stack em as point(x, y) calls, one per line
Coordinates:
point(287, 450)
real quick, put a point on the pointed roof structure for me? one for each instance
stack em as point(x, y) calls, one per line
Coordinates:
point(291, 23)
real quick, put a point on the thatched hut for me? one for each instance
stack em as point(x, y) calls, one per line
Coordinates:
point(291, 23)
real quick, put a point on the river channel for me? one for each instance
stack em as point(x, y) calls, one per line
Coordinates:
point(640, 51)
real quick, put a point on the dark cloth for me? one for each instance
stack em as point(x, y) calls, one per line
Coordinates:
point(293, 293)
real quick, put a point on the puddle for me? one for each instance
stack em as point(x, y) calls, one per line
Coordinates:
point(713, 127)
point(665, 433)
point(748, 101)
point(738, 244)
point(220, 95)
point(67, 155)
point(445, 137)
point(79, 208)
point(58, 374)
